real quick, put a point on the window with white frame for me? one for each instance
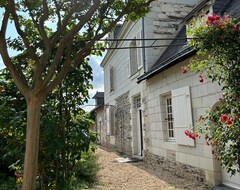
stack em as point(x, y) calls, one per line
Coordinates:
point(137, 102)
point(169, 118)
point(177, 113)
point(111, 77)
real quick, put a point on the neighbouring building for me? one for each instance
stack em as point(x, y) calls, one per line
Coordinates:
point(149, 102)
point(98, 114)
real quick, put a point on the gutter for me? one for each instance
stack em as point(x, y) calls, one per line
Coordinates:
point(143, 44)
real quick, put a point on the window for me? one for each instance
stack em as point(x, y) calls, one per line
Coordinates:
point(135, 54)
point(177, 115)
point(137, 102)
point(169, 118)
point(109, 118)
point(133, 57)
point(111, 79)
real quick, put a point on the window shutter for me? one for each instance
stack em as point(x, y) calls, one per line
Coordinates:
point(133, 57)
point(111, 79)
point(182, 114)
point(108, 120)
point(139, 50)
point(111, 121)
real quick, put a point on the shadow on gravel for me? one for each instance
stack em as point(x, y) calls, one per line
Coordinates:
point(178, 181)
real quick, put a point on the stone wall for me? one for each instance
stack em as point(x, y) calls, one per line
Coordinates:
point(123, 136)
point(176, 168)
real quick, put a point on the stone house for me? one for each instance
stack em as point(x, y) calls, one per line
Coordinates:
point(173, 101)
point(150, 102)
point(122, 66)
point(98, 114)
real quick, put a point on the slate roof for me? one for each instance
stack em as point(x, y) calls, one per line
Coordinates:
point(175, 54)
point(171, 56)
point(98, 95)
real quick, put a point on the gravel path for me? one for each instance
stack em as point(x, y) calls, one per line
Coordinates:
point(137, 176)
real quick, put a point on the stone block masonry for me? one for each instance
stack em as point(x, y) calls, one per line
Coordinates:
point(123, 128)
point(177, 169)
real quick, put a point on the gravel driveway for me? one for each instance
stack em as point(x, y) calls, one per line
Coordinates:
point(137, 176)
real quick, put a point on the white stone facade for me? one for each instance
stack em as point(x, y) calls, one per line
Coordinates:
point(203, 96)
point(160, 22)
point(152, 139)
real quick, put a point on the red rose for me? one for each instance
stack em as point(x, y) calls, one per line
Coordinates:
point(219, 25)
point(213, 152)
point(228, 122)
point(201, 79)
point(184, 69)
point(217, 17)
point(224, 118)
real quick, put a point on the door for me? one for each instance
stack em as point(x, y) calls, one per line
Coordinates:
point(100, 132)
point(139, 132)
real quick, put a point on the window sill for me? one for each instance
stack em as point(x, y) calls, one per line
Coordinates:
point(171, 141)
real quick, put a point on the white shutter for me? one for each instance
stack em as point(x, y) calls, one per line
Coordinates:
point(139, 50)
point(133, 57)
point(182, 114)
point(111, 79)
point(108, 120)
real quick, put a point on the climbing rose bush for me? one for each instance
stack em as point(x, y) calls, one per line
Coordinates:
point(217, 41)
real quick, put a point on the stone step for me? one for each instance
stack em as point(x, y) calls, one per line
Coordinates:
point(223, 187)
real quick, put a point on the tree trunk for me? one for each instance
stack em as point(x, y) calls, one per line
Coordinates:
point(32, 144)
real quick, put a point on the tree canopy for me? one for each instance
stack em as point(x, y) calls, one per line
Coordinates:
point(53, 38)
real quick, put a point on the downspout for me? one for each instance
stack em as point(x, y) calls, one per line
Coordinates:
point(143, 44)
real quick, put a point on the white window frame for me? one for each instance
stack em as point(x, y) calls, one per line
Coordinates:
point(169, 118)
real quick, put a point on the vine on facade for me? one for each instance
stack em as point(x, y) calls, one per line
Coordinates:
point(217, 41)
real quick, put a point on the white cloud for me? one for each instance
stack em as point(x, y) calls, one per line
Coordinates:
point(98, 83)
point(98, 88)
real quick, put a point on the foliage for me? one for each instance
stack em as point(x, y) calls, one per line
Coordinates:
point(217, 41)
point(6, 182)
point(86, 171)
point(64, 136)
point(52, 39)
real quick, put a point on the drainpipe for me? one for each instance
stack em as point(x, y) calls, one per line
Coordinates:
point(143, 44)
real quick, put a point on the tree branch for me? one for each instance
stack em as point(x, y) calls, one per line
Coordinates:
point(5, 21)
point(19, 30)
point(15, 73)
point(65, 39)
point(86, 51)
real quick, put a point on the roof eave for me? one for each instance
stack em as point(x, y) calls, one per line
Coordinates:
point(179, 57)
